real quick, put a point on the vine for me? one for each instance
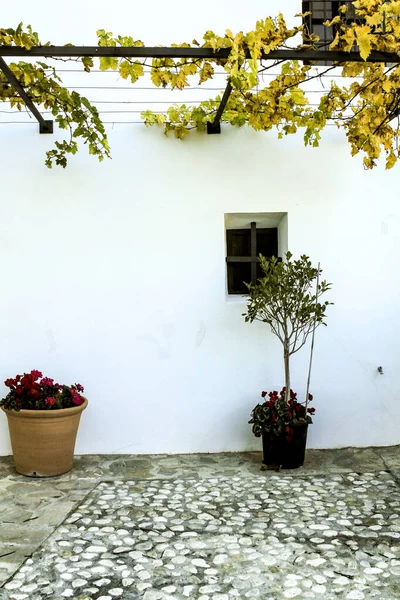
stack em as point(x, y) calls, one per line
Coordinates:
point(367, 109)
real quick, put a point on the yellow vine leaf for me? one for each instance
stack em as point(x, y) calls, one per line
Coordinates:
point(348, 39)
point(374, 20)
point(335, 42)
point(391, 160)
point(363, 40)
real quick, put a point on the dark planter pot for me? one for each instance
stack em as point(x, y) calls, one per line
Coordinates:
point(283, 454)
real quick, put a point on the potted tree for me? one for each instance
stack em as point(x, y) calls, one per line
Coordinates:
point(43, 419)
point(287, 298)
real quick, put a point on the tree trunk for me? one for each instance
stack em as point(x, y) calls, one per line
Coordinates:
point(287, 370)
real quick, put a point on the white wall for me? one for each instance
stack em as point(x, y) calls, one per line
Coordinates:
point(114, 274)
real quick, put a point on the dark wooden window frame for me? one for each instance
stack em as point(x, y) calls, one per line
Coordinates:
point(332, 10)
point(253, 259)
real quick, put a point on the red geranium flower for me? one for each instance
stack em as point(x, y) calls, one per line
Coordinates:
point(77, 399)
point(32, 391)
point(36, 374)
point(27, 380)
point(277, 415)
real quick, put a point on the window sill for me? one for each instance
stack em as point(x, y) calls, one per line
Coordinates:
point(236, 298)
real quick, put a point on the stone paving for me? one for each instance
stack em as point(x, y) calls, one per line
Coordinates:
point(207, 527)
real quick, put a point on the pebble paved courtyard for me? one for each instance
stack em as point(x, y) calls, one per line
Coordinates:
point(207, 527)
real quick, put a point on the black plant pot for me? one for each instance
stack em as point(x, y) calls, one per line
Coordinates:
point(280, 453)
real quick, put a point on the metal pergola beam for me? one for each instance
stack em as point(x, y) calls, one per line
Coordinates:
point(215, 126)
point(166, 52)
point(44, 126)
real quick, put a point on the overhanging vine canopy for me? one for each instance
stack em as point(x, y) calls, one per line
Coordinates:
point(366, 105)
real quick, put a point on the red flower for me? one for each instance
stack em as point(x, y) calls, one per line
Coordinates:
point(263, 394)
point(311, 410)
point(270, 404)
point(32, 391)
point(77, 399)
point(310, 396)
point(36, 374)
point(27, 380)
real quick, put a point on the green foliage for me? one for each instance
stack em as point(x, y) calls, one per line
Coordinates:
point(70, 110)
point(277, 416)
point(367, 109)
point(287, 299)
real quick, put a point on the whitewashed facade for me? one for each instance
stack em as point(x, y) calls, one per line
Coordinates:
point(114, 274)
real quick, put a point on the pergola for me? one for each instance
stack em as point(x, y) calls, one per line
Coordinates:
point(46, 126)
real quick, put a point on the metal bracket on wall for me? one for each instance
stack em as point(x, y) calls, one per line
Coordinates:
point(215, 126)
point(45, 126)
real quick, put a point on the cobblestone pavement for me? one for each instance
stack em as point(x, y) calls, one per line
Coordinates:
point(207, 527)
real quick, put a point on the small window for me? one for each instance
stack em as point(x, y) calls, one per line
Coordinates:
point(326, 10)
point(243, 248)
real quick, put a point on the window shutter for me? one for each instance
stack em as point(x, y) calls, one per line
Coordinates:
point(242, 263)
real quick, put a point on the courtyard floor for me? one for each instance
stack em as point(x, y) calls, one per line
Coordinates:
point(204, 527)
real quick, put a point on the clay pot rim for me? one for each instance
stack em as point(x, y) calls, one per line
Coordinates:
point(48, 413)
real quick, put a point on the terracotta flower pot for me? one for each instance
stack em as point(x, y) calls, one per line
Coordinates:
point(43, 441)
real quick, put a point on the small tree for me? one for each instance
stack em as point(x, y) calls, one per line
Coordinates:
point(287, 299)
